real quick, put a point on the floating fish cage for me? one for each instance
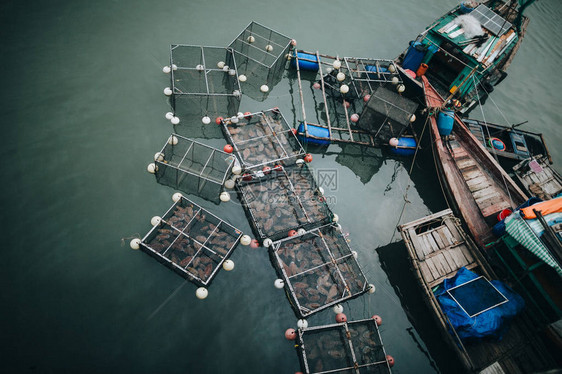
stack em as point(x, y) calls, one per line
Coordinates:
point(282, 200)
point(347, 347)
point(193, 167)
point(192, 241)
point(367, 74)
point(261, 56)
point(263, 138)
point(319, 269)
point(204, 81)
point(387, 114)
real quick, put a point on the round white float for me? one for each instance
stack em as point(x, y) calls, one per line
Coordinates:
point(340, 77)
point(155, 220)
point(336, 64)
point(176, 197)
point(267, 242)
point(169, 115)
point(279, 283)
point(236, 170)
point(135, 243)
point(264, 88)
point(338, 308)
point(224, 196)
point(152, 168)
point(302, 324)
point(175, 120)
point(371, 288)
point(168, 91)
point(229, 183)
point(159, 156)
point(220, 64)
point(206, 120)
point(201, 293)
point(242, 78)
point(166, 69)
point(173, 140)
point(228, 265)
point(344, 88)
point(245, 240)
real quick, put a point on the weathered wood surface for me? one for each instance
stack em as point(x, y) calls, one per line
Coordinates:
point(545, 184)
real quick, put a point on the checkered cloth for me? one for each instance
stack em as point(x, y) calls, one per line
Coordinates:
point(517, 228)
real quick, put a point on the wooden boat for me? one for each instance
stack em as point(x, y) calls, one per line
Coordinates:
point(467, 68)
point(438, 247)
point(538, 178)
point(475, 185)
point(507, 142)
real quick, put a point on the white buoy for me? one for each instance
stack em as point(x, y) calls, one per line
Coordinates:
point(264, 88)
point(169, 115)
point(152, 168)
point(229, 183)
point(336, 64)
point(174, 67)
point(236, 93)
point(135, 243)
point(220, 64)
point(336, 218)
point(224, 196)
point(176, 197)
point(338, 308)
point(166, 69)
point(168, 91)
point(300, 161)
point(155, 220)
point(245, 240)
point(412, 118)
point(267, 242)
point(242, 78)
point(206, 120)
point(226, 68)
point(391, 68)
point(401, 88)
point(301, 231)
point(354, 253)
point(340, 77)
point(371, 288)
point(329, 70)
point(269, 48)
point(251, 39)
point(395, 80)
point(236, 169)
point(175, 120)
point(279, 283)
point(239, 114)
point(173, 140)
point(159, 156)
point(234, 119)
point(321, 190)
point(302, 324)
point(339, 226)
point(231, 72)
point(200, 67)
point(201, 293)
point(344, 88)
point(228, 265)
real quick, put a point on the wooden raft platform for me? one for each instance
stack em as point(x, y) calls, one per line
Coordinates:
point(538, 178)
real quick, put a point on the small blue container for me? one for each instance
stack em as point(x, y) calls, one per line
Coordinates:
point(445, 121)
point(465, 8)
point(414, 56)
point(373, 68)
point(313, 130)
point(406, 147)
point(303, 64)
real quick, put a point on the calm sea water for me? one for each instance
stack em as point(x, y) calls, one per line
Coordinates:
point(82, 115)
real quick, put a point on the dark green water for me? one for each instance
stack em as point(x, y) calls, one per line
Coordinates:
point(82, 115)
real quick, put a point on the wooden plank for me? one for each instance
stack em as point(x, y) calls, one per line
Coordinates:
point(438, 239)
point(427, 246)
point(454, 231)
point(493, 209)
point(465, 252)
point(442, 264)
point(432, 217)
point(485, 193)
point(425, 272)
point(445, 235)
point(472, 174)
point(478, 181)
point(431, 242)
point(418, 246)
point(448, 256)
point(466, 163)
point(495, 368)
point(431, 266)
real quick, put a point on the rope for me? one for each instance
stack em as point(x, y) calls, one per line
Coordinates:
point(493, 154)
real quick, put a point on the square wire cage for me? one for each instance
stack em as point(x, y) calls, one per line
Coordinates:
point(387, 114)
point(367, 74)
point(285, 199)
point(349, 347)
point(193, 167)
point(261, 54)
point(192, 241)
point(319, 269)
point(263, 138)
point(204, 81)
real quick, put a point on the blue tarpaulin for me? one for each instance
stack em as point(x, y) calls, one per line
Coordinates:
point(491, 323)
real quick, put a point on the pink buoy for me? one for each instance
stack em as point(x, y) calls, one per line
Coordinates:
point(377, 319)
point(347, 104)
point(316, 85)
point(366, 98)
point(218, 121)
point(308, 157)
point(411, 73)
point(247, 177)
point(228, 148)
point(266, 170)
point(294, 131)
point(248, 116)
point(354, 117)
point(390, 360)
point(254, 243)
point(278, 167)
point(292, 233)
point(393, 142)
point(340, 317)
point(290, 334)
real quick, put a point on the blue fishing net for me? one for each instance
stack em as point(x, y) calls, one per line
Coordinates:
point(486, 312)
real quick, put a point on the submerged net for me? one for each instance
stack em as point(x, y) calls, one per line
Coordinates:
point(193, 167)
point(199, 86)
point(319, 269)
point(263, 138)
point(192, 241)
point(283, 200)
point(349, 347)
